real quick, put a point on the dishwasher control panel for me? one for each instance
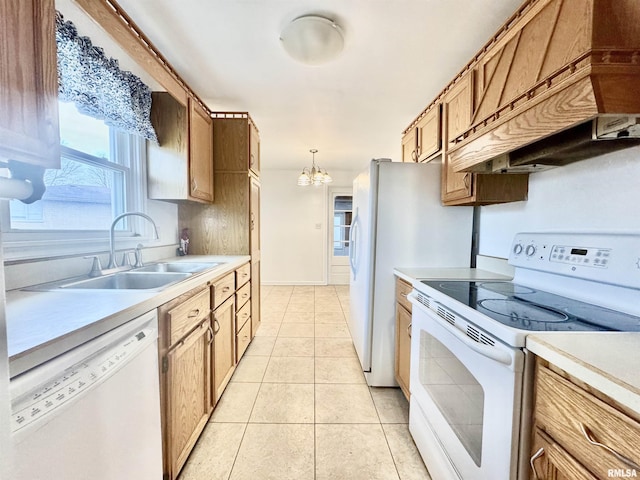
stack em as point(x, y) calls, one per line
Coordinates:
point(76, 380)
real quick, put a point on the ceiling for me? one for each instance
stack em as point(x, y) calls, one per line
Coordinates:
point(398, 56)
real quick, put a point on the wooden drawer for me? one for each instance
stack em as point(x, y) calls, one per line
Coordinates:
point(243, 315)
point(242, 340)
point(243, 294)
point(564, 410)
point(223, 289)
point(402, 290)
point(243, 274)
point(187, 315)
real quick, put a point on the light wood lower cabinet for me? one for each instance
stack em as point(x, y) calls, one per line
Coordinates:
point(189, 401)
point(199, 349)
point(403, 336)
point(185, 375)
point(224, 346)
point(577, 430)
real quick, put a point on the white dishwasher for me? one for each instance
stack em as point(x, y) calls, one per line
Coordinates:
point(93, 412)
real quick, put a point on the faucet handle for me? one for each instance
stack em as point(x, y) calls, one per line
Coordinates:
point(126, 258)
point(96, 267)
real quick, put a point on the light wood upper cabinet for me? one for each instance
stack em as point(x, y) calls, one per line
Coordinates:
point(29, 131)
point(200, 153)
point(423, 139)
point(458, 104)
point(237, 146)
point(410, 145)
point(566, 412)
point(254, 149)
point(465, 188)
point(181, 166)
point(428, 133)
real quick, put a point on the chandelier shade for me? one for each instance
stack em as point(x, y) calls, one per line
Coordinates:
point(315, 175)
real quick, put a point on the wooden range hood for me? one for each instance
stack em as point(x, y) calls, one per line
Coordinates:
point(556, 74)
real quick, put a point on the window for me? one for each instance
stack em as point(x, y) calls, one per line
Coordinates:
point(342, 213)
point(89, 189)
point(99, 168)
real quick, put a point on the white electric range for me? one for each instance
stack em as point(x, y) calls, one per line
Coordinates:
point(470, 372)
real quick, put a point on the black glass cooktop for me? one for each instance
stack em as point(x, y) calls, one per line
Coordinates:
point(528, 309)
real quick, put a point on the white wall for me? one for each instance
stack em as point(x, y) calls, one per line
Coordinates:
point(601, 193)
point(294, 236)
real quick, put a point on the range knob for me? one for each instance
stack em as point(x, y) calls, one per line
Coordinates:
point(530, 251)
point(517, 248)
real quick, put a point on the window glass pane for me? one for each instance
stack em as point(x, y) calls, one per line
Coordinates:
point(88, 190)
point(79, 196)
point(341, 225)
point(83, 133)
point(343, 203)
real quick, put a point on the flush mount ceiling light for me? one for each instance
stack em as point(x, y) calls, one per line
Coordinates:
point(314, 175)
point(312, 39)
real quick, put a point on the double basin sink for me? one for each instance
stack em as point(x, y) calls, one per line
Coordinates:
point(157, 276)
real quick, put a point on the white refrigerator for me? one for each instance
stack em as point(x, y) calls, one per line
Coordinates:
point(398, 221)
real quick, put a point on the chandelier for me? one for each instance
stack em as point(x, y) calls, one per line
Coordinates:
point(314, 175)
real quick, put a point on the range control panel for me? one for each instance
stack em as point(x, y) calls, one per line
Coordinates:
point(588, 257)
point(602, 257)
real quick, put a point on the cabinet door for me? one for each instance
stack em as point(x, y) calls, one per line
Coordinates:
point(458, 109)
point(409, 146)
point(255, 297)
point(29, 130)
point(254, 218)
point(224, 346)
point(188, 380)
point(403, 348)
point(200, 153)
point(550, 461)
point(428, 134)
point(254, 149)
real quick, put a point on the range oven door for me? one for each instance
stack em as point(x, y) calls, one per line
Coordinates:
point(465, 397)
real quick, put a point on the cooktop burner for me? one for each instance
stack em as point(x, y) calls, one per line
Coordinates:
point(525, 308)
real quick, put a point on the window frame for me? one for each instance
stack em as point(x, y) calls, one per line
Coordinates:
point(36, 244)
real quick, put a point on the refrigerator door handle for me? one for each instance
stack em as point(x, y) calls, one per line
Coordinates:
point(352, 244)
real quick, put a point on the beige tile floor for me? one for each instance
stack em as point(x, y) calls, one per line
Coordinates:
point(298, 407)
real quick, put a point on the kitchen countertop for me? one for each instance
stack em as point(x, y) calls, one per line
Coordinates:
point(44, 324)
point(413, 275)
point(607, 361)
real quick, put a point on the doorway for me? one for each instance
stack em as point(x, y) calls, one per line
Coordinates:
point(340, 215)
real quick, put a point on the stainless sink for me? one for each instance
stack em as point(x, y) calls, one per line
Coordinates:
point(128, 281)
point(182, 267)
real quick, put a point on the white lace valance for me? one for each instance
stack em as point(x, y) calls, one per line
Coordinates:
point(98, 87)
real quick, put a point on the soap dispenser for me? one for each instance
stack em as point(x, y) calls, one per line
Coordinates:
point(184, 242)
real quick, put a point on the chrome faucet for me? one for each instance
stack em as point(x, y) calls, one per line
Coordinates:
point(112, 253)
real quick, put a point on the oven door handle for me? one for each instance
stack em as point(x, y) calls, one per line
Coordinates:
point(493, 353)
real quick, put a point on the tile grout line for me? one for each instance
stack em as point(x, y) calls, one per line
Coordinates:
point(246, 425)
